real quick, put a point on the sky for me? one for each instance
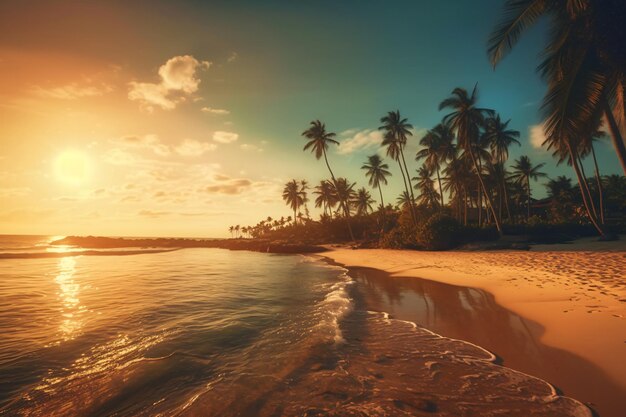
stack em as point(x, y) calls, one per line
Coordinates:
point(161, 118)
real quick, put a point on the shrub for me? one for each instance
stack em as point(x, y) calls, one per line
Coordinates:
point(440, 232)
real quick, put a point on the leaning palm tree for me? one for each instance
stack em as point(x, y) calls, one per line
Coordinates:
point(292, 194)
point(397, 130)
point(377, 172)
point(319, 140)
point(426, 186)
point(362, 201)
point(523, 172)
point(467, 119)
point(326, 197)
point(587, 148)
point(438, 146)
point(584, 64)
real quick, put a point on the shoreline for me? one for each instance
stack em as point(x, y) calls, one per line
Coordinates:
point(575, 346)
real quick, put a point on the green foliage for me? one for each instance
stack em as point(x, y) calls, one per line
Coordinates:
point(440, 232)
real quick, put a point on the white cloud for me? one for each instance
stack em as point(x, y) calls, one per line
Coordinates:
point(249, 147)
point(191, 147)
point(232, 57)
point(178, 80)
point(219, 112)
point(225, 137)
point(536, 135)
point(359, 141)
point(72, 91)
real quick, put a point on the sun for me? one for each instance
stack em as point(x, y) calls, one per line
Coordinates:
point(72, 167)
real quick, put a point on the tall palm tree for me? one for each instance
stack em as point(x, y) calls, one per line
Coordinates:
point(344, 191)
point(319, 140)
point(456, 183)
point(426, 186)
point(304, 186)
point(377, 173)
point(292, 194)
point(397, 130)
point(362, 201)
point(500, 138)
point(467, 119)
point(523, 172)
point(438, 148)
point(584, 64)
point(326, 197)
point(231, 229)
point(498, 176)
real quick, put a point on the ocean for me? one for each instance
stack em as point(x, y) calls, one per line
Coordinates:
point(212, 332)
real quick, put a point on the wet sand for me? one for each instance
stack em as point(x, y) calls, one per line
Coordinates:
point(555, 315)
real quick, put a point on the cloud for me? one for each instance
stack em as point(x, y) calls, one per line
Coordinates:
point(229, 186)
point(225, 137)
point(219, 112)
point(191, 147)
point(72, 91)
point(249, 147)
point(536, 136)
point(178, 80)
point(150, 141)
point(150, 213)
point(232, 57)
point(359, 141)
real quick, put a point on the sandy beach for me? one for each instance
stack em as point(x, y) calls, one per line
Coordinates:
point(557, 312)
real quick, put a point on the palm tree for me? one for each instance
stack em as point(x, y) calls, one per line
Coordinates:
point(231, 229)
point(237, 228)
point(292, 194)
point(404, 200)
point(438, 148)
point(559, 185)
point(326, 197)
point(456, 183)
point(362, 201)
point(304, 186)
point(500, 138)
point(319, 140)
point(397, 130)
point(584, 63)
point(586, 149)
point(426, 186)
point(377, 172)
point(344, 192)
point(467, 119)
point(523, 172)
point(498, 175)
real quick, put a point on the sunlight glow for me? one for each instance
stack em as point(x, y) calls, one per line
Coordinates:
point(72, 167)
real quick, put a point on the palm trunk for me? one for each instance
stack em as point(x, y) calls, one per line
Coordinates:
point(407, 192)
point(586, 184)
point(480, 178)
point(528, 200)
point(440, 187)
point(408, 178)
point(465, 205)
point(479, 205)
point(582, 190)
point(506, 200)
point(616, 136)
point(599, 182)
point(382, 210)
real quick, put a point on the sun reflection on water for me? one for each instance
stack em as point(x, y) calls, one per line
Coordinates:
point(69, 291)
